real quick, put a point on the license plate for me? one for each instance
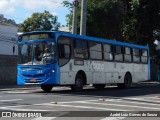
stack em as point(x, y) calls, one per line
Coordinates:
point(33, 80)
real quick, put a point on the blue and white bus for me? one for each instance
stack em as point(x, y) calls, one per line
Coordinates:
point(54, 58)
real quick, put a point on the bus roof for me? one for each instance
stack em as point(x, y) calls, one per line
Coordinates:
point(102, 40)
point(114, 42)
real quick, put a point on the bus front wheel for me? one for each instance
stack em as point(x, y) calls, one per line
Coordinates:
point(46, 88)
point(127, 82)
point(79, 82)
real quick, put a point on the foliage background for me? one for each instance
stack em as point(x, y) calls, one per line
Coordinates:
point(40, 21)
point(134, 21)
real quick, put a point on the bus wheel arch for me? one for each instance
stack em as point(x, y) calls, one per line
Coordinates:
point(80, 81)
point(127, 81)
point(81, 72)
point(129, 74)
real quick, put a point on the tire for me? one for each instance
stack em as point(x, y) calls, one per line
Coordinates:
point(99, 86)
point(127, 82)
point(79, 83)
point(46, 88)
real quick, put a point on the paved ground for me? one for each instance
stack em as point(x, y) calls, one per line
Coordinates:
point(2, 87)
point(91, 104)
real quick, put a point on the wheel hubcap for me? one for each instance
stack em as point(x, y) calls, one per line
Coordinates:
point(79, 82)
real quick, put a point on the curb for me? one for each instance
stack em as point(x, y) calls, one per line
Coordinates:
point(150, 82)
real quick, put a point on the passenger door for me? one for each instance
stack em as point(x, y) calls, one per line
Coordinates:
point(95, 50)
point(64, 59)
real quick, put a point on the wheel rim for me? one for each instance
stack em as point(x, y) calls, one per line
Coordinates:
point(79, 82)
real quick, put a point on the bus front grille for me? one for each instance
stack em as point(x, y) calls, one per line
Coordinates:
point(38, 75)
point(37, 81)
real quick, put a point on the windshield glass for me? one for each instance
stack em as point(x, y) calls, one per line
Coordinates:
point(37, 53)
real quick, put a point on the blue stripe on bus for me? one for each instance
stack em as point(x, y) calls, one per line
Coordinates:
point(59, 33)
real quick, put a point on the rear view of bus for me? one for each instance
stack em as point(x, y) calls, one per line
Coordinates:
point(37, 62)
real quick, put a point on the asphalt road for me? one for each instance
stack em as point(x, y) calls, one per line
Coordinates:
point(110, 103)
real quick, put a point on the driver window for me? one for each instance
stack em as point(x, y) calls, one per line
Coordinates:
point(64, 51)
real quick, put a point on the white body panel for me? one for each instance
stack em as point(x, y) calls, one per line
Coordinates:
point(103, 72)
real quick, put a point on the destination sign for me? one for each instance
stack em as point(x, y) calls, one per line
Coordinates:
point(39, 36)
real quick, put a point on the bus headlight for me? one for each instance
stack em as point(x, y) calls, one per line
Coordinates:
point(53, 71)
point(19, 73)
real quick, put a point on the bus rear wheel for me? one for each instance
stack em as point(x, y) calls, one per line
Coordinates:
point(99, 86)
point(127, 82)
point(79, 82)
point(46, 88)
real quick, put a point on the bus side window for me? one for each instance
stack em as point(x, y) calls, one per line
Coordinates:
point(118, 53)
point(144, 56)
point(95, 50)
point(108, 52)
point(64, 51)
point(127, 54)
point(136, 55)
point(80, 49)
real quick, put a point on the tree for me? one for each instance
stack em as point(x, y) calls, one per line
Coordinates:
point(132, 21)
point(69, 17)
point(103, 18)
point(6, 21)
point(40, 21)
point(141, 20)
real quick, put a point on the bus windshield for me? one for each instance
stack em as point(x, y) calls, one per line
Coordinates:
point(37, 53)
